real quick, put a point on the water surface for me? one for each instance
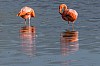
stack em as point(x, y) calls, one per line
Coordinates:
point(46, 48)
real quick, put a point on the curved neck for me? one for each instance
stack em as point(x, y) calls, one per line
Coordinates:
point(62, 8)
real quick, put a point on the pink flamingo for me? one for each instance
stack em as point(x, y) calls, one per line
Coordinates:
point(69, 15)
point(26, 13)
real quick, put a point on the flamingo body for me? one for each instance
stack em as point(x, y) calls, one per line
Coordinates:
point(26, 12)
point(69, 15)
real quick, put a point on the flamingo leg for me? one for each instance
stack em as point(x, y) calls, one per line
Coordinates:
point(73, 26)
point(25, 22)
point(68, 25)
point(29, 21)
point(29, 16)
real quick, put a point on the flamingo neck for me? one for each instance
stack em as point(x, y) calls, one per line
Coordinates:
point(62, 9)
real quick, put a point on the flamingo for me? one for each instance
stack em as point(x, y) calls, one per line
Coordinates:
point(26, 13)
point(67, 14)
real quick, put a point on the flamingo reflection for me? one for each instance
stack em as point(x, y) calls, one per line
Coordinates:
point(69, 42)
point(27, 35)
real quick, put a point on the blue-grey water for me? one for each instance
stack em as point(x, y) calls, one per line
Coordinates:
point(46, 48)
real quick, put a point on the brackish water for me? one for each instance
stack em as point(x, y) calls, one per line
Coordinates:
point(46, 48)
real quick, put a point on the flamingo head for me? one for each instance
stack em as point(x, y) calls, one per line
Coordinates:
point(62, 8)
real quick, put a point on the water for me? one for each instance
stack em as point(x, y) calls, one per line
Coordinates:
point(46, 48)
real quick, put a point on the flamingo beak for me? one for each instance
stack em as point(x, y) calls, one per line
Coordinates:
point(60, 10)
point(17, 15)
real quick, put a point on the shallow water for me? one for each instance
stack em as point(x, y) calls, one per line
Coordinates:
point(45, 49)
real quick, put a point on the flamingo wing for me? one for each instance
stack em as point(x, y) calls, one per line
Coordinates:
point(69, 15)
